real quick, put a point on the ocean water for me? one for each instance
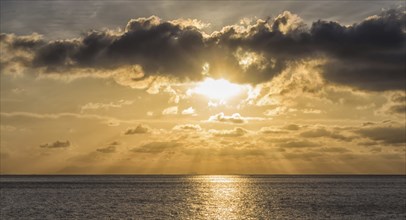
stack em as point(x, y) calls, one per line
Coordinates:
point(203, 197)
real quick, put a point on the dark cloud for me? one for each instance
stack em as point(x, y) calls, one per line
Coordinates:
point(109, 149)
point(323, 132)
point(155, 147)
point(399, 109)
point(367, 55)
point(33, 41)
point(292, 127)
point(140, 129)
point(398, 104)
point(56, 144)
point(114, 143)
point(386, 134)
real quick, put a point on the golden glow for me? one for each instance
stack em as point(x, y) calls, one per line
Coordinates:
point(220, 179)
point(219, 89)
point(221, 197)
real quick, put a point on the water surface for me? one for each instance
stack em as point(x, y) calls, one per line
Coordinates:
point(203, 197)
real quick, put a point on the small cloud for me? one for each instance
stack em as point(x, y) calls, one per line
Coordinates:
point(106, 106)
point(191, 127)
point(140, 129)
point(312, 111)
point(236, 132)
point(107, 150)
point(292, 127)
point(156, 147)
point(271, 130)
point(114, 143)
point(234, 118)
point(276, 111)
point(170, 111)
point(188, 111)
point(368, 124)
point(56, 144)
point(299, 144)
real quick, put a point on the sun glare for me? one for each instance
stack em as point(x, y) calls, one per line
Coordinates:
point(219, 89)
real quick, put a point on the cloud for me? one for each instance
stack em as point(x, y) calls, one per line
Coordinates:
point(372, 52)
point(188, 111)
point(234, 118)
point(396, 105)
point(111, 148)
point(236, 132)
point(105, 119)
point(299, 144)
point(367, 55)
point(156, 147)
point(292, 127)
point(140, 129)
point(271, 130)
point(107, 150)
point(334, 150)
point(191, 127)
point(56, 144)
point(387, 134)
point(170, 111)
point(323, 132)
point(95, 106)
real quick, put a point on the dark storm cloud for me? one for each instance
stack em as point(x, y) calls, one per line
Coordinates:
point(162, 48)
point(56, 144)
point(368, 55)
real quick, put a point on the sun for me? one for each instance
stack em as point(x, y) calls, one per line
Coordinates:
point(219, 89)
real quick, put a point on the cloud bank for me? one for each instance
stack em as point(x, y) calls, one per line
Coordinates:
point(367, 55)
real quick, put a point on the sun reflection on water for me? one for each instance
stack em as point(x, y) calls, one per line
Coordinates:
point(220, 197)
point(220, 179)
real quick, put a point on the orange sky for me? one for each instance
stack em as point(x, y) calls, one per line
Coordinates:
point(231, 93)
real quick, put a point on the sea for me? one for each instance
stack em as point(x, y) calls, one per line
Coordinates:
point(203, 197)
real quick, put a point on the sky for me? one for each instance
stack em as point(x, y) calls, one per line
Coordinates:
point(203, 87)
